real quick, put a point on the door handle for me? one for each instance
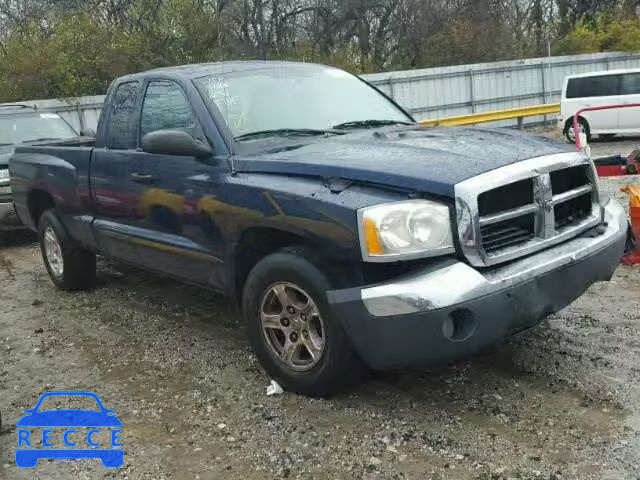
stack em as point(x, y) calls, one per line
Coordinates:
point(142, 178)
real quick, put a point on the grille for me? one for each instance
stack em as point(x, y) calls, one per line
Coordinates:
point(552, 203)
point(572, 212)
point(505, 234)
point(507, 197)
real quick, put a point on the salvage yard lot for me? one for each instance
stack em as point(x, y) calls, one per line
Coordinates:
point(173, 361)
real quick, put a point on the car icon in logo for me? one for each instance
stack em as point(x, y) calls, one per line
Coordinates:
point(67, 422)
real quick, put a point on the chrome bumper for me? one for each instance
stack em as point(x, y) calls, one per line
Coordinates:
point(451, 282)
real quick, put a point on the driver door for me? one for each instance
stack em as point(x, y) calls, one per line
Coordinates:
point(163, 189)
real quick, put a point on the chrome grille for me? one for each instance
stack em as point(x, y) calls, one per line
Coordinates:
point(506, 234)
point(525, 207)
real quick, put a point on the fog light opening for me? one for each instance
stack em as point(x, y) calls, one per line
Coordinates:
point(459, 325)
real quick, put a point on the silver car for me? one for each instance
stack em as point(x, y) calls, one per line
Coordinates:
point(20, 125)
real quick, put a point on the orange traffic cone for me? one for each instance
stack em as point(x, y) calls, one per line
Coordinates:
point(633, 257)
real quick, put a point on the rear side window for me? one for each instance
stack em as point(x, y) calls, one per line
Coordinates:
point(600, 86)
point(165, 107)
point(119, 133)
point(630, 84)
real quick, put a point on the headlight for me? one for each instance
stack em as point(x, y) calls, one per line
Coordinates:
point(404, 231)
point(4, 173)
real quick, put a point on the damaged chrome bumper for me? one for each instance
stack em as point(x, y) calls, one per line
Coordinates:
point(454, 282)
point(451, 309)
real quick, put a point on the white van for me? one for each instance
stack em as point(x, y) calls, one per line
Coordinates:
point(612, 87)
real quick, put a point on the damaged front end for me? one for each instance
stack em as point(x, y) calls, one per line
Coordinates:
point(452, 307)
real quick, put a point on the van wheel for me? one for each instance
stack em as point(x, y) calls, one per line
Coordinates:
point(295, 338)
point(583, 125)
point(70, 266)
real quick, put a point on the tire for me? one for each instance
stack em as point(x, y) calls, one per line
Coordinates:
point(584, 125)
point(78, 270)
point(297, 271)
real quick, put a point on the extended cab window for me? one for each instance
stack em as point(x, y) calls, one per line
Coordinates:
point(165, 107)
point(599, 86)
point(122, 108)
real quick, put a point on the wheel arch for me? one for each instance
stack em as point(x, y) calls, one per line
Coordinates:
point(569, 123)
point(38, 202)
point(254, 244)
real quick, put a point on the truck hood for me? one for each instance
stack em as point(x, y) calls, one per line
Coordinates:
point(426, 160)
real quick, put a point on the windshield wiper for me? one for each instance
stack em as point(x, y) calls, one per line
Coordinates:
point(369, 124)
point(285, 132)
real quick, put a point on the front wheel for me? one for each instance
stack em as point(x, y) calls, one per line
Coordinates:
point(291, 329)
point(70, 266)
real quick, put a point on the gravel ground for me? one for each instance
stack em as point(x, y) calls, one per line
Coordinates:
point(562, 402)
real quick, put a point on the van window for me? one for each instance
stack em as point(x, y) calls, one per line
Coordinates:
point(631, 84)
point(600, 86)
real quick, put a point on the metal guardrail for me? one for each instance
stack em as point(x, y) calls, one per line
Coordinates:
point(495, 116)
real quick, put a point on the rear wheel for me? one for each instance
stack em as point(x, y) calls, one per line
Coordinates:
point(290, 327)
point(70, 266)
point(583, 126)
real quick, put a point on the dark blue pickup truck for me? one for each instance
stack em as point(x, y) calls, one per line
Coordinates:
point(351, 236)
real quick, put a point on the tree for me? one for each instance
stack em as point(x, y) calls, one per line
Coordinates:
point(58, 48)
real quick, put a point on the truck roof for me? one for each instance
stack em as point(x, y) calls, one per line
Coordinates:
point(203, 69)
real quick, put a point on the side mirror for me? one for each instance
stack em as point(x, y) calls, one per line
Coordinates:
point(174, 142)
point(87, 132)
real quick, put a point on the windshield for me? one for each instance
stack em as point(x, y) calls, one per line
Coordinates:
point(305, 97)
point(18, 128)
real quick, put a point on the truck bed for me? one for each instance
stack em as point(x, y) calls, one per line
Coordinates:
point(53, 173)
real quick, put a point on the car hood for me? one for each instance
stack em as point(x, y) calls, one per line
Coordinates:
point(427, 160)
point(69, 418)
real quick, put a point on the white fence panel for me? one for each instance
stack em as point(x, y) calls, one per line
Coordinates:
point(460, 90)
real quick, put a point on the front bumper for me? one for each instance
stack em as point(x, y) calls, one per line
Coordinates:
point(451, 310)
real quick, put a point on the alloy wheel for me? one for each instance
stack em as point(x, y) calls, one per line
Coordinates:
point(292, 326)
point(53, 252)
